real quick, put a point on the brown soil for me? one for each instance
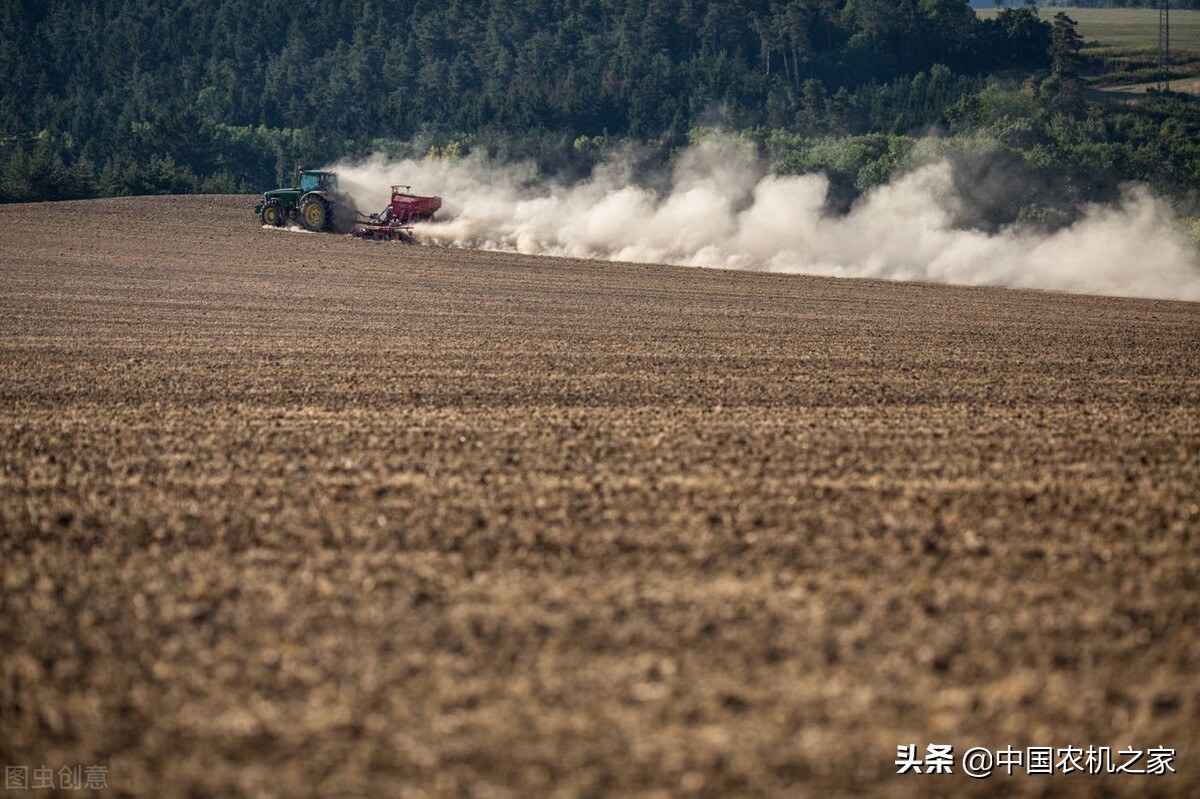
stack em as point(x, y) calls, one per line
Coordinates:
point(300, 515)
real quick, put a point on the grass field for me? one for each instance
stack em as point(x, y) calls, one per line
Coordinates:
point(1128, 27)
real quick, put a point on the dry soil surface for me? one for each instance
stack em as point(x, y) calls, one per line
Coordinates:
point(300, 515)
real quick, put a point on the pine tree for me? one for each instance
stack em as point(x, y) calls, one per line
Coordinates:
point(1065, 47)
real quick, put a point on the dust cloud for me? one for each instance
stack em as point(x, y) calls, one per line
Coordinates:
point(720, 208)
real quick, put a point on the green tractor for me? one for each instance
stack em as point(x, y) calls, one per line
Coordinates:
point(314, 203)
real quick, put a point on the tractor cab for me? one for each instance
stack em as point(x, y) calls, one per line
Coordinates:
point(318, 181)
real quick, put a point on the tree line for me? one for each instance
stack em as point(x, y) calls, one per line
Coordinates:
point(147, 95)
point(150, 96)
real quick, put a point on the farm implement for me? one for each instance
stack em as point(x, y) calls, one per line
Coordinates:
point(395, 222)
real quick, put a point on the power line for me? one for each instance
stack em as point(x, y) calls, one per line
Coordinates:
point(1164, 45)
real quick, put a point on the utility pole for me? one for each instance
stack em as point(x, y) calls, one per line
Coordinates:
point(1164, 45)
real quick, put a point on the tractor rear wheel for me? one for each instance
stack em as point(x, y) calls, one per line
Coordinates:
point(315, 213)
point(273, 213)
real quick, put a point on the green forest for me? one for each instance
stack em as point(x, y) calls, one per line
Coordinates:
point(143, 96)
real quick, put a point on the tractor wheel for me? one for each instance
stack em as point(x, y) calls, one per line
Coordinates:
point(314, 213)
point(273, 213)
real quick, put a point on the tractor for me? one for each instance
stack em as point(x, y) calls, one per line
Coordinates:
point(315, 203)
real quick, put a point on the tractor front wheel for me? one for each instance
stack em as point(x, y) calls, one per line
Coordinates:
point(273, 213)
point(314, 213)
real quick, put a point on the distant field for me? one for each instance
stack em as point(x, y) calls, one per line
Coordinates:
point(1128, 27)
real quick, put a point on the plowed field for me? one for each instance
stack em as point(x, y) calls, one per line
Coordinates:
point(298, 515)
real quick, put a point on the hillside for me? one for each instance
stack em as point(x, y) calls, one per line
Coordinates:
point(138, 96)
